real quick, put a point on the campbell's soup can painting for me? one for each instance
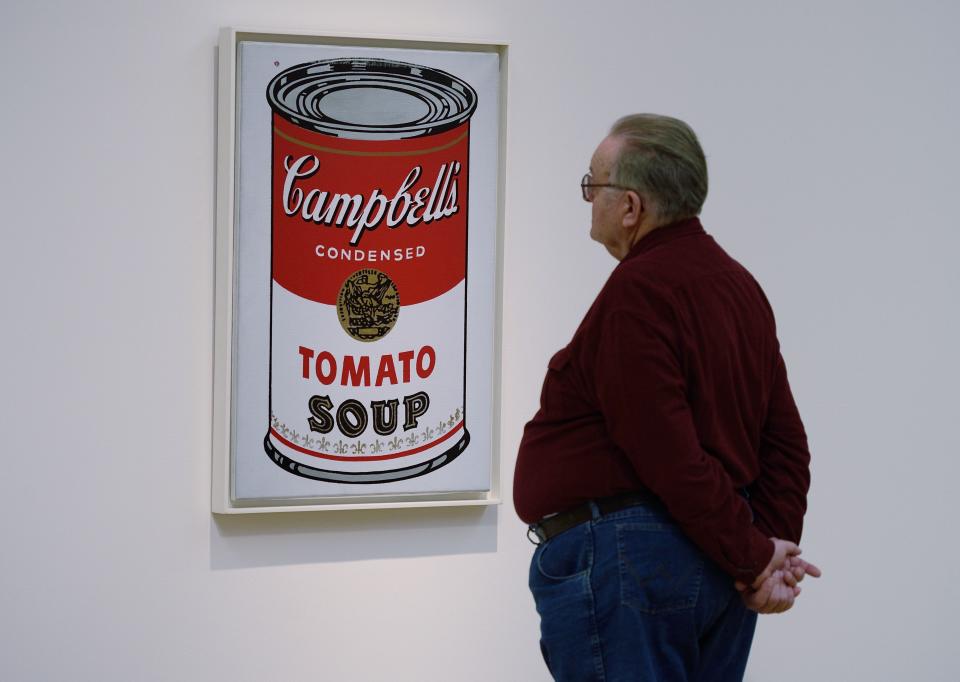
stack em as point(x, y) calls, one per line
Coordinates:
point(369, 213)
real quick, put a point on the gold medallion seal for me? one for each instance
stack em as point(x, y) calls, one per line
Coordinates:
point(368, 305)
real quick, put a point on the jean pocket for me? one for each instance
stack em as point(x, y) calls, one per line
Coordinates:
point(568, 555)
point(560, 582)
point(660, 569)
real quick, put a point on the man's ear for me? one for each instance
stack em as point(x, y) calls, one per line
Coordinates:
point(632, 209)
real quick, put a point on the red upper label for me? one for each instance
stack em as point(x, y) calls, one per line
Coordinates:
point(340, 205)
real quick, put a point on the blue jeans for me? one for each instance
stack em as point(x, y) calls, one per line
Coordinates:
point(627, 596)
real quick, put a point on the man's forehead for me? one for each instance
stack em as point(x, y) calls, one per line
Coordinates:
point(604, 154)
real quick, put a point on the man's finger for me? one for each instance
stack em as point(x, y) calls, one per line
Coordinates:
point(781, 597)
point(795, 566)
point(762, 595)
point(773, 604)
point(786, 598)
point(757, 601)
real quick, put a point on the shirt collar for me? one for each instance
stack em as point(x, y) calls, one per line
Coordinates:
point(664, 234)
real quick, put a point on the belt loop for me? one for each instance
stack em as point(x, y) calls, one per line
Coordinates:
point(594, 510)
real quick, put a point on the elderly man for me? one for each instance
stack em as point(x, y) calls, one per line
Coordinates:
point(667, 466)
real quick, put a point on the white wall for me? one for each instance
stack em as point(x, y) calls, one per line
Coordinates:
point(831, 130)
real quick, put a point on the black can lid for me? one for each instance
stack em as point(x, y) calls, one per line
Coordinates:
point(373, 99)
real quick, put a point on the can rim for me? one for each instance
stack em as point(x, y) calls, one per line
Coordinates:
point(377, 476)
point(450, 101)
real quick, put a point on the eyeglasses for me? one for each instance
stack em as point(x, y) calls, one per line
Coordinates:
point(586, 186)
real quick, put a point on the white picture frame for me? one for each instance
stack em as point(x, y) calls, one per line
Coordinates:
point(358, 178)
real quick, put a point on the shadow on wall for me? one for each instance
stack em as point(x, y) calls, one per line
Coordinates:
point(254, 540)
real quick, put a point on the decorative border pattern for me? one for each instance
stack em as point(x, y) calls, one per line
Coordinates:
point(323, 446)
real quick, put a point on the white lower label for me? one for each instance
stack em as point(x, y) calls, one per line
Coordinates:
point(343, 405)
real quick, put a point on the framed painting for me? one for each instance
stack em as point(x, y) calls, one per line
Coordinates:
point(358, 277)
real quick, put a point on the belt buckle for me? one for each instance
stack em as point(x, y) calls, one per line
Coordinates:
point(537, 532)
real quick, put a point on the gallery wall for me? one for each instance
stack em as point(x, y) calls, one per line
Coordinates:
point(830, 129)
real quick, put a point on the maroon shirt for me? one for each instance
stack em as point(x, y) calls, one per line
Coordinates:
point(674, 384)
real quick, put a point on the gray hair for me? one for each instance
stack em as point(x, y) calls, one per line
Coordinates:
point(662, 159)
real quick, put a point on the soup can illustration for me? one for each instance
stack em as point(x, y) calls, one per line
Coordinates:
point(370, 170)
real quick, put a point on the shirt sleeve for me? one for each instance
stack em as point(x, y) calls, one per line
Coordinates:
point(642, 394)
point(779, 495)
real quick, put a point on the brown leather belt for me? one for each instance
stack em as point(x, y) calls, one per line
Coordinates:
point(551, 526)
